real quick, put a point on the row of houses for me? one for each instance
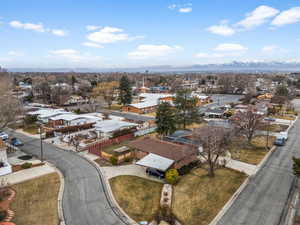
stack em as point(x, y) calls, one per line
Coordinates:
point(148, 102)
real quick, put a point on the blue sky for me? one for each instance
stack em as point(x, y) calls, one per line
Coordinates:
point(131, 33)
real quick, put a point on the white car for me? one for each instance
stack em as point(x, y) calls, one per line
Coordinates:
point(283, 135)
point(3, 136)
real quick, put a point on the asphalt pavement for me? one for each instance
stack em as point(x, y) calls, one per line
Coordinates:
point(84, 201)
point(265, 198)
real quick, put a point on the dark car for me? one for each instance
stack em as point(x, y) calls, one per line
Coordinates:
point(280, 141)
point(155, 173)
point(16, 142)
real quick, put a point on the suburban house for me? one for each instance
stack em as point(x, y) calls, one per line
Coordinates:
point(180, 154)
point(215, 112)
point(43, 115)
point(148, 103)
point(74, 100)
point(201, 99)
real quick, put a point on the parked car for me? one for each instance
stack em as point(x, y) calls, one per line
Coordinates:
point(155, 173)
point(16, 142)
point(3, 135)
point(280, 141)
point(284, 135)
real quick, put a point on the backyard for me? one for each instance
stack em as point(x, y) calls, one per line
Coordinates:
point(138, 197)
point(198, 198)
point(36, 201)
point(252, 152)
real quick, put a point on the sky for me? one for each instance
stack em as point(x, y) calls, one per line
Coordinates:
point(134, 33)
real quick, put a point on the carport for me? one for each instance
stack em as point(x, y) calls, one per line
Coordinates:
point(156, 162)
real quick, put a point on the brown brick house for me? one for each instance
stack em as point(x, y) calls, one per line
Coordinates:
point(181, 154)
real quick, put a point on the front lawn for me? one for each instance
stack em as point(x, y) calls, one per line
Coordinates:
point(274, 127)
point(31, 129)
point(251, 153)
point(138, 197)
point(36, 201)
point(198, 198)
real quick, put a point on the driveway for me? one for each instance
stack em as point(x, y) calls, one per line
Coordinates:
point(264, 199)
point(84, 201)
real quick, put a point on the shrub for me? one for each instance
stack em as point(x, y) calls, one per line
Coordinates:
point(172, 176)
point(26, 165)
point(187, 168)
point(113, 160)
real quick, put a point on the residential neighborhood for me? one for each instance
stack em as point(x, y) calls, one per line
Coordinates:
point(149, 112)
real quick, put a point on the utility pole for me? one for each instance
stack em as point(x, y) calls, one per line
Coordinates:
point(41, 144)
point(268, 133)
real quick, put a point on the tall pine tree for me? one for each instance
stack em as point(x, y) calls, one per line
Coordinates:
point(187, 110)
point(165, 119)
point(125, 95)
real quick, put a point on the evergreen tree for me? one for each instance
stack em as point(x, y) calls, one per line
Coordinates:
point(125, 95)
point(187, 110)
point(165, 119)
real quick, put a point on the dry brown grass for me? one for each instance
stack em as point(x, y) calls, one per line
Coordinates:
point(36, 201)
point(198, 198)
point(285, 117)
point(196, 125)
point(138, 197)
point(250, 153)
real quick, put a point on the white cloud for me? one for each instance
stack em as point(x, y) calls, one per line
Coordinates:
point(289, 16)
point(92, 27)
point(258, 17)
point(15, 53)
point(222, 29)
point(92, 45)
point(108, 35)
point(27, 26)
point(269, 48)
point(185, 10)
point(36, 27)
point(229, 47)
point(182, 8)
point(150, 51)
point(58, 32)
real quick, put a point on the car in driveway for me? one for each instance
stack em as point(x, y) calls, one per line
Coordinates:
point(280, 141)
point(156, 173)
point(4, 136)
point(16, 142)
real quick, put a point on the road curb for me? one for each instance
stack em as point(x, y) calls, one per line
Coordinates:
point(230, 202)
point(110, 197)
point(60, 195)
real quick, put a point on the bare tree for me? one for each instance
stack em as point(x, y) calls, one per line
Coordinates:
point(9, 105)
point(214, 142)
point(247, 122)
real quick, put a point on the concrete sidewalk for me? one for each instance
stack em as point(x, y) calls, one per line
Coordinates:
point(246, 168)
point(28, 174)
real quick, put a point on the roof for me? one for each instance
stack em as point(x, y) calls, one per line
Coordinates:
point(133, 117)
point(165, 149)
point(150, 100)
point(156, 162)
point(107, 126)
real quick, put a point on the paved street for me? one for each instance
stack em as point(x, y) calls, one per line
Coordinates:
point(264, 198)
point(220, 100)
point(84, 201)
